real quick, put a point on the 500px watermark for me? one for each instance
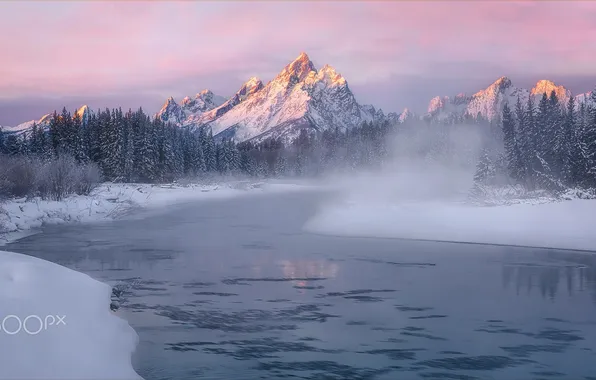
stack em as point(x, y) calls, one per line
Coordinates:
point(31, 324)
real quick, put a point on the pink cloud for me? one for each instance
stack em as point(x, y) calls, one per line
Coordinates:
point(90, 47)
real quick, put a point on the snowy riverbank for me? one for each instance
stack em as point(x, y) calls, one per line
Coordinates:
point(57, 324)
point(564, 224)
point(19, 217)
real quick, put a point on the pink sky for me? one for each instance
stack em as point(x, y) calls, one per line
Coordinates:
point(393, 54)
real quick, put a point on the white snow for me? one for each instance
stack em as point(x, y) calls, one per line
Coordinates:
point(19, 128)
point(490, 101)
point(19, 216)
point(67, 330)
point(565, 224)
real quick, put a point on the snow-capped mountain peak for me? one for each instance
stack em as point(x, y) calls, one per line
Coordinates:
point(300, 96)
point(297, 70)
point(251, 86)
point(489, 102)
point(330, 77)
point(252, 82)
point(436, 104)
point(171, 111)
point(189, 108)
point(83, 113)
point(498, 86)
point(545, 86)
point(405, 115)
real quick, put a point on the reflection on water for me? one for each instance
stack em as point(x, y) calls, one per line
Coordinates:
point(571, 272)
point(301, 271)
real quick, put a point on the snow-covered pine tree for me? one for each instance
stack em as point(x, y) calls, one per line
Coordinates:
point(485, 169)
point(224, 157)
point(573, 165)
point(178, 169)
point(281, 163)
point(198, 157)
point(33, 141)
point(69, 133)
point(128, 148)
point(544, 140)
point(557, 131)
point(24, 145)
point(512, 153)
point(235, 154)
point(209, 149)
point(529, 151)
point(589, 142)
point(12, 145)
point(92, 135)
point(168, 155)
point(2, 147)
point(55, 136)
point(79, 149)
point(150, 164)
point(111, 144)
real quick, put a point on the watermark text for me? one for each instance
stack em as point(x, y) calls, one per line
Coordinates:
point(30, 324)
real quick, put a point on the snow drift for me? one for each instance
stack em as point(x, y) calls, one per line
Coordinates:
point(564, 225)
point(56, 324)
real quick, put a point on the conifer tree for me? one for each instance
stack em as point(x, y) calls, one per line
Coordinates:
point(570, 150)
point(512, 153)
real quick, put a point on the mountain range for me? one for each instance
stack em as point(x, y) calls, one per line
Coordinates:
point(302, 96)
point(490, 102)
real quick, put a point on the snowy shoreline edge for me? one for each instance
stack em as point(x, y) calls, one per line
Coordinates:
point(23, 217)
point(61, 319)
point(33, 289)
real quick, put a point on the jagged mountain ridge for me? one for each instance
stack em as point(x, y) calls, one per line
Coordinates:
point(300, 96)
point(489, 102)
point(189, 108)
point(44, 122)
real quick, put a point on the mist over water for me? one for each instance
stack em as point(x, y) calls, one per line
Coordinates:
point(425, 191)
point(425, 163)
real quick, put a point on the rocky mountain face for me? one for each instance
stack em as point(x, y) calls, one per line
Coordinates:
point(489, 102)
point(300, 96)
point(189, 108)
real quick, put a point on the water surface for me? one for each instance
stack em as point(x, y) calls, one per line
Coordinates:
point(236, 290)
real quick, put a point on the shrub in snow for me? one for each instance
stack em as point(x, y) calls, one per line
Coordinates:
point(17, 176)
point(89, 178)
point(63, 176)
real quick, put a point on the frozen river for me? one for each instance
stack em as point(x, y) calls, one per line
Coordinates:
point(236, 290)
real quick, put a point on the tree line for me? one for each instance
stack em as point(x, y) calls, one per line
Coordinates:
point(134, 147)
point(549, 145)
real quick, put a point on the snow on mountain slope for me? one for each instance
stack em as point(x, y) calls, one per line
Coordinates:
point(405, 115)
point(246, 90)
point(189, 108)
point(44, 122)
point(489, 102)
point(546, 86)
point(299, 97)
point(585, 98)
